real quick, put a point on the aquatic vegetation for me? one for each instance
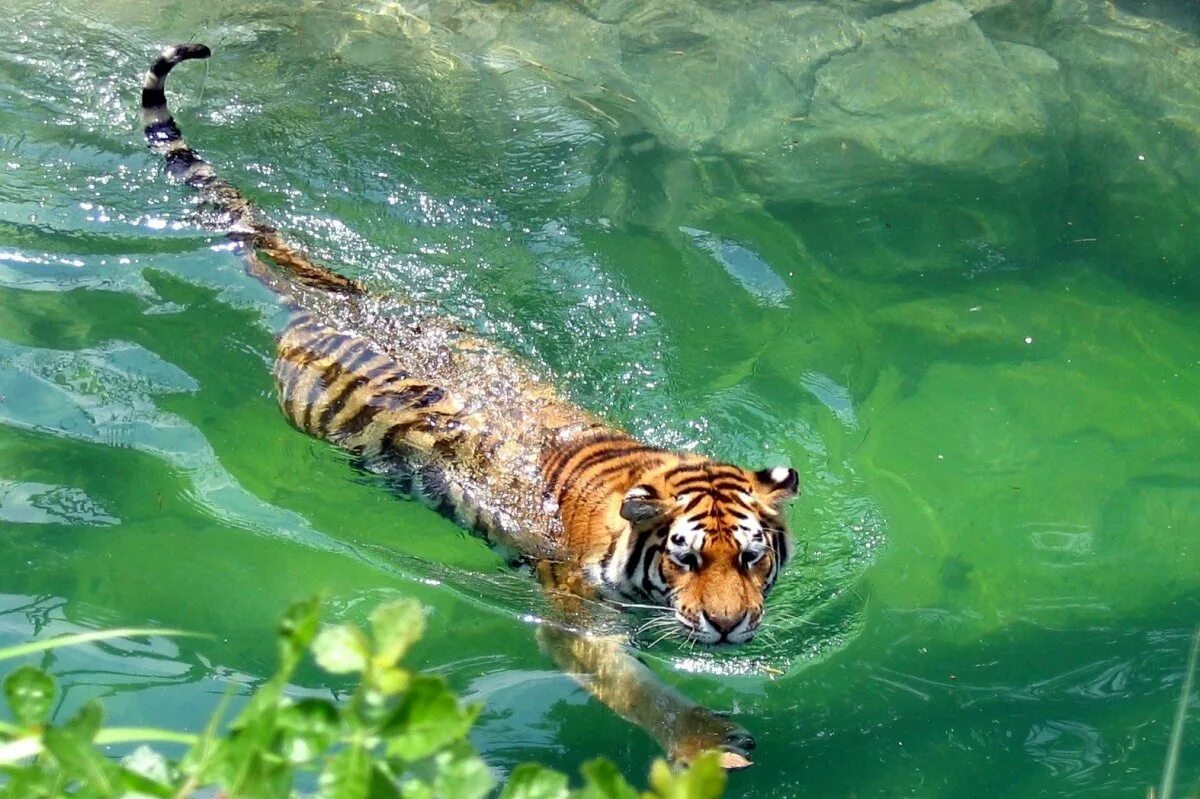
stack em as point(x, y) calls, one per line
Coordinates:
point(397, 733)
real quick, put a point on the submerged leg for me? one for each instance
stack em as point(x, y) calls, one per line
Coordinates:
point(611, 673)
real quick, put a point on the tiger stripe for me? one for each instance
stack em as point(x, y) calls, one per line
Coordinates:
point(567, 462)
point(597, 463)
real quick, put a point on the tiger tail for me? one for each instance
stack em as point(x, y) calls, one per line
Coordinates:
point(236, 212)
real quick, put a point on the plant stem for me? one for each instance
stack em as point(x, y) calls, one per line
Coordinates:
point(34, 647)
point(31, 746)
point(1172, 763)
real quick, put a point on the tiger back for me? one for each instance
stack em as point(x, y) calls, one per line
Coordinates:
point(460, 418)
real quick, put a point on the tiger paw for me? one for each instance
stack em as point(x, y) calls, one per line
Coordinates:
point(732, 744)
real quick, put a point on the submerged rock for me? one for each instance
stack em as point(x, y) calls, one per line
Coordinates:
point(1135, 89)
point(926, 90)
point(1009, 126)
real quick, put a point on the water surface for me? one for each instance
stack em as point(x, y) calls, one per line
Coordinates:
point(938, 256)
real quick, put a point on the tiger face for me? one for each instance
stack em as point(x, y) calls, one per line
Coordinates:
point(715, 540)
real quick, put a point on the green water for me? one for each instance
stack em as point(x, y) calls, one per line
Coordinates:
point(940, 257)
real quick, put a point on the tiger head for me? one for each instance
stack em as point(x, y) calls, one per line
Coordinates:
point(714, 539)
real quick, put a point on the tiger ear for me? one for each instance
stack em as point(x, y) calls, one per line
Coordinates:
point(778, 486)
point(642, 504)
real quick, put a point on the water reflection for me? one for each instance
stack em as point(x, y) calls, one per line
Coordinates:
point(106, 396)
point(41, 503)
point(743, 265)
point(135, 678)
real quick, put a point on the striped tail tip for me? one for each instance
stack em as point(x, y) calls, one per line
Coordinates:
point(171, 56)
point(159, 127)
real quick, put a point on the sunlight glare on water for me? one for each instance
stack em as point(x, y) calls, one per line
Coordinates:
point(939, 256)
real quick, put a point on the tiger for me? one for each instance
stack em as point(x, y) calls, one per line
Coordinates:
point(474, 431)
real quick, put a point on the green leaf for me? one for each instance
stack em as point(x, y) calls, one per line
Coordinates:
point(22, 783)
point(383, 786)
point(72, 745)
point(86, 723)
point(247, 765)
point(297, 628)
point(424, 728)
point(80, 759)
point(419, 789)
point(428, 719)
point(389, 680)
point(602, 780)
point(462, 775)
point(309, 728)
point(131, 784)
point(200, 761)
point(347, 775)
point(396, 626)
point(350, 774)
point(703, 779)
point(247, 762)
point(342, 649)
point(531, 781)
point(29, 692)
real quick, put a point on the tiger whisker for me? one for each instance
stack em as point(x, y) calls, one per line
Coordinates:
point(661, 620)
point(661, 638)
point(791, 618)
point(659, 608)
point(654, 624)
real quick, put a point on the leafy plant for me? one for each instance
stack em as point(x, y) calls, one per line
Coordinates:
point(400, 734)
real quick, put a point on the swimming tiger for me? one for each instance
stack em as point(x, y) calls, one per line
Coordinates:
point(475, 432)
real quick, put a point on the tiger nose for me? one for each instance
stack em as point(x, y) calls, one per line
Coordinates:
point(725, 623)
